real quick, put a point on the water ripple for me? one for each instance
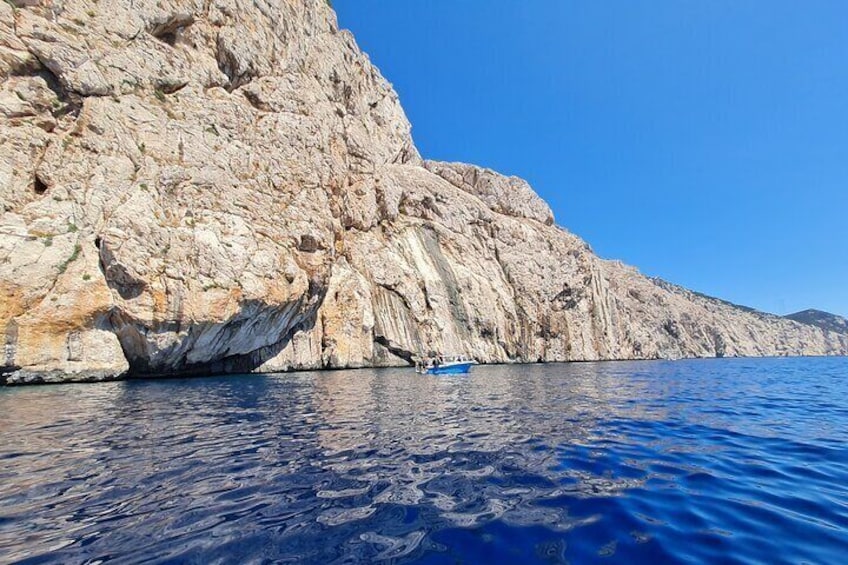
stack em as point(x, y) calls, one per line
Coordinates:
point(731, 460)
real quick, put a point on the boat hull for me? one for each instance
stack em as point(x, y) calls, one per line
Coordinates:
point(451, 369)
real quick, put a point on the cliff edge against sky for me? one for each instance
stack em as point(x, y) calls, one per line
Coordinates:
point(194, 187)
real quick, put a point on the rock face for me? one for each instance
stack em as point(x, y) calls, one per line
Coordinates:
point(203, 186)
point(824, 320)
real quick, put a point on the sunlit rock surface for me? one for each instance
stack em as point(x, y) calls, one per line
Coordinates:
point(193, 187)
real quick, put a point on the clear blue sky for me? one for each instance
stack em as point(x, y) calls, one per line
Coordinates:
point(703, 142)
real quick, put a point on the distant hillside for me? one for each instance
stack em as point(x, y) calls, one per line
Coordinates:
point(824, 320)
point(671, 287)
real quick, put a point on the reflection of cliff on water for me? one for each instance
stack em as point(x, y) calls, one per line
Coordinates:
point(182, 461)
point(371, 465)
point(450, 443)
point(490, 411)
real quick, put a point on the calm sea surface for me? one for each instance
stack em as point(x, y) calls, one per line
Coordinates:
point(698, 461)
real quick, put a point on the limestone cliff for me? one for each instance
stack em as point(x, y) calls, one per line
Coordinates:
point(215, 185)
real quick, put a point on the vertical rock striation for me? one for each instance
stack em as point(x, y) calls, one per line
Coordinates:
point(198, 186)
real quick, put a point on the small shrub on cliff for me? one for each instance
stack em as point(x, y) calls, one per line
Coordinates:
point(64, 266)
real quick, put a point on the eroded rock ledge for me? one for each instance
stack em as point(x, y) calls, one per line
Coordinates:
point(199, 186)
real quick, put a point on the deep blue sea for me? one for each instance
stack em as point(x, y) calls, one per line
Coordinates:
point(647, 462)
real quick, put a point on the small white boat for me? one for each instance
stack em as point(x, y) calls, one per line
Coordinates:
point(456, 365)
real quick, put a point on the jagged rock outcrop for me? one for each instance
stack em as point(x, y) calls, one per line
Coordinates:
point(196, 186)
